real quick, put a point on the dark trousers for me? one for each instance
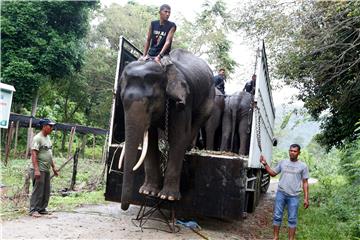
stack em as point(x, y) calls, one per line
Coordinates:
point(41, 192)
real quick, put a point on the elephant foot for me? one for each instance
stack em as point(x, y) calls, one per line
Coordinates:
point(169, 195)
point(148, 189)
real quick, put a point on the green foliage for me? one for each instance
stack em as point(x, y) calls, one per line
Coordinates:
point(337, 202)
point(131, 20)
point(41, 41)
point(350, 161)
point(59, 203)
point(315, 45)
point(89, 172)
point(286, 120)
point(318, 222)
point(208, 35)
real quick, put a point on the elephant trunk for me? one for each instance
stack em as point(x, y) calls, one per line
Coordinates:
point(135, 127)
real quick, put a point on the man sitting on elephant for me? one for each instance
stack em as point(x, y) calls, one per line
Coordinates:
point(158, 47)
point(159, 36)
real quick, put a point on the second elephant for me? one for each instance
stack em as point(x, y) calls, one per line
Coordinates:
point(214, 121)
point(236, 122)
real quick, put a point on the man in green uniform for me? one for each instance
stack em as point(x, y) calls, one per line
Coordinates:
point(42, 160)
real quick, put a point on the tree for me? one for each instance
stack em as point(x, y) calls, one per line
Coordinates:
point(41, 41)
point(131, 20)
point(208, 35)
point(316, 47)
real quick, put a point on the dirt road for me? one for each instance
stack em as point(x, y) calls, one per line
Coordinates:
point(110, 222)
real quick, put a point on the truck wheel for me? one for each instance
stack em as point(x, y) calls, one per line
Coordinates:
point(265, 181)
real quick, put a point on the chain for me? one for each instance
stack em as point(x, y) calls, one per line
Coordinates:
point(165, 144)
point(250, 116)
point(258, 127)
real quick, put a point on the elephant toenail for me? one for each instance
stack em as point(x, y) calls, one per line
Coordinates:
point(171, 198)
point(146, 192)
point(162, 196)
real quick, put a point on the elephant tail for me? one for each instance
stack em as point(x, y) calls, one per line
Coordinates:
point(233, 126)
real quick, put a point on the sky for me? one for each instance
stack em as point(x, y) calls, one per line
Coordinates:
point(242, 52)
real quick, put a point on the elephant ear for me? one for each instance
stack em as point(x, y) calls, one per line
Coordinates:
point(177, 87)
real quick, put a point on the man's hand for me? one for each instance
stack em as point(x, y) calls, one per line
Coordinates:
point(306, 203)
point(37, 174)
point(144, 58)
point(157, 59)
point(56, 172)
point(262, 160)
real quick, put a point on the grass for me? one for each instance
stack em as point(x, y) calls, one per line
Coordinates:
point(319, 221)
point(89, 187)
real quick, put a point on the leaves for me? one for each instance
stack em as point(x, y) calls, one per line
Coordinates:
point(316, 47)
point(208, 35)
point(41, 41)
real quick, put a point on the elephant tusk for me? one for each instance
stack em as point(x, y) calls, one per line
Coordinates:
point(121, 159)
point(144, 151)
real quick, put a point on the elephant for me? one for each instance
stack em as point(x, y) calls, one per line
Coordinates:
point(145, 88)
point(214, 121)
point(237, 119)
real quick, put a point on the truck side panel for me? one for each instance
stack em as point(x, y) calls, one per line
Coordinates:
point(264, 115)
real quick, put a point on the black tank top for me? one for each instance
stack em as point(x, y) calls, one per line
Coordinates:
point(159, 34)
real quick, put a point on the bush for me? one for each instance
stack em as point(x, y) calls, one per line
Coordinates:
point(339, 202)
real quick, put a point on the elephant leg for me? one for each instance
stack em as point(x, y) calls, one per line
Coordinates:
point(243, 134)
point(152, 182)
point(226, 130)
point(200, 118)
point(179, 138)
point(210, 134)
point(210, 128)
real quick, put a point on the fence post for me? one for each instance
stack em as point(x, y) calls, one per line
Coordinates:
point(73, 178)
point(16, 139)
point(71, 140)
point(94, 143)
point(8, 142)
point(29, 137)
point(103, 155)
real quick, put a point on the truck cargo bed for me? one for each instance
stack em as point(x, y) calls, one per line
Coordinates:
point(211, 185)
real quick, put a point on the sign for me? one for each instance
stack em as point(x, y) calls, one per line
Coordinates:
point(6, 94)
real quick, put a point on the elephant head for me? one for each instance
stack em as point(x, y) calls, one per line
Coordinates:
point(144, 87)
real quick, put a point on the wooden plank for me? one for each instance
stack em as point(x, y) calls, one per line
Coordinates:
point(24, 122)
